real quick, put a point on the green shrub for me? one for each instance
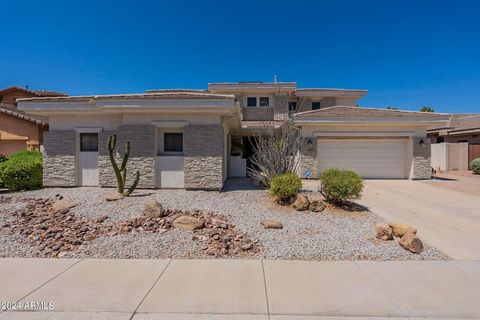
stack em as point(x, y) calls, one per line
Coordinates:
point(338, 186)
point(476, 166)
point(285, 187)
point(22, 171)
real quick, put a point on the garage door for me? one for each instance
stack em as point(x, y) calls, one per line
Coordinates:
point(371, 158)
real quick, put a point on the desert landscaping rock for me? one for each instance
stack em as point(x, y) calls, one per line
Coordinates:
point(153, 209)
point(271, 224)
point(188, 223)
point(316, 205)
point(233, 217)
point(301, 203)
point(114, 196)
point(399, 229)
point(411, 242)
point(64, 204)
point(383, 231)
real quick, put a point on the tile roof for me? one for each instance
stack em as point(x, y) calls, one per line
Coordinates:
point(183, 94)
point(38, 93)
point(7, 109)
point(360, 112)
point(458, 122)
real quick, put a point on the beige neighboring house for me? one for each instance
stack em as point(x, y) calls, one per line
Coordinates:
point(19, 130)
point(456, 143)
point(196, 139)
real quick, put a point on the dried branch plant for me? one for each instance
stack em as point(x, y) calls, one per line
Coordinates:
point(276, 151)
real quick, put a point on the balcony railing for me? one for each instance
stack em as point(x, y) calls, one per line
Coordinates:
point(257, 113)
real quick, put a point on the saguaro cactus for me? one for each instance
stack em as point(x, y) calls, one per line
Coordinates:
point(121, 173)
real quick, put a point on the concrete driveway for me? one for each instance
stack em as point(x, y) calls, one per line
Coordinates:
point(446, 219)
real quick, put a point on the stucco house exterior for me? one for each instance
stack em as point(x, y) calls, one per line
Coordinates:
point(196, 139)
point(19, 130)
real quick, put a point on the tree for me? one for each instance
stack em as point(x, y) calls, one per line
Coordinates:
point(275, 152)
point(427, 109)
point(392, 108)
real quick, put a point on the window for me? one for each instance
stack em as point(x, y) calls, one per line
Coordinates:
point(440, 139)
point(251, 101)
point(89, 142)
point(315, 105)
point(292, 106)
point(173, 142)
point(264, 102)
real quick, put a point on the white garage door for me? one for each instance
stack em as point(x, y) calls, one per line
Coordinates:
point(371, 158)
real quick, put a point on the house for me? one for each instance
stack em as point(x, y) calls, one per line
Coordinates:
point(455, 143)
point(196, 139)
point(18, 130)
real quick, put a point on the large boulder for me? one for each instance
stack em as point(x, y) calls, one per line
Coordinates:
point(399, 229)
point(63, 205)
point(411, 242)
point(271, 224)
point(301, 203)
point(383, 231)
point(316, 205)
point(153, 209)
point(188, 223)
point(114, 196)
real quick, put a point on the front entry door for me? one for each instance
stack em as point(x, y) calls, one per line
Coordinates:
point(88, 159)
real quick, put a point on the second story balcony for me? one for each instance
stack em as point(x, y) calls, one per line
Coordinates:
point(257, 113)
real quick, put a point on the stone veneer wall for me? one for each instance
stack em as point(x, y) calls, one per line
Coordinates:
point(421, 159)
point(142, 155)
point(59, 159)
point(308, 160)
point(203, 157)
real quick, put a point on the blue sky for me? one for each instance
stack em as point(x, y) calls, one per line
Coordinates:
point(406, 53)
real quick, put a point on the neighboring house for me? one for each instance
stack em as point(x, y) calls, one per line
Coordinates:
point(196, 139)
point(19, 130)
point(457, 142)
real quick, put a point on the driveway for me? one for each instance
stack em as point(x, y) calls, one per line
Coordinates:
point(446, 219)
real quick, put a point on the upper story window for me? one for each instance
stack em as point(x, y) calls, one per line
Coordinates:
point(315, 105)
point(264, 102)
point(251, 101)
point(292, 106)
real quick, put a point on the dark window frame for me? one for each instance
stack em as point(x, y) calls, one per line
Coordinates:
point(316, 105)
point(249, 100)
point(292, 106)
point(170, 146)
point(83, 143)
point(264, 99)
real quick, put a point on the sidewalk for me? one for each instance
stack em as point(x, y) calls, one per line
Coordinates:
point(239, 289)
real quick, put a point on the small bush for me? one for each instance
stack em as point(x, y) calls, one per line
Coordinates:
point(3, 157)
point(338, 186)
point(476, 166)
point(285, 187)
point(22, 171)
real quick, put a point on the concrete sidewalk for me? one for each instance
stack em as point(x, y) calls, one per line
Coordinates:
point(239, 289)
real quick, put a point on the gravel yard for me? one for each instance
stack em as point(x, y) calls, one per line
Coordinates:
point(328, 235)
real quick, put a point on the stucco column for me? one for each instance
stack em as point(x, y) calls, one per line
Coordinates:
point(308, 157)
point(203, 157)
point(59, 159)
point(421, 166)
